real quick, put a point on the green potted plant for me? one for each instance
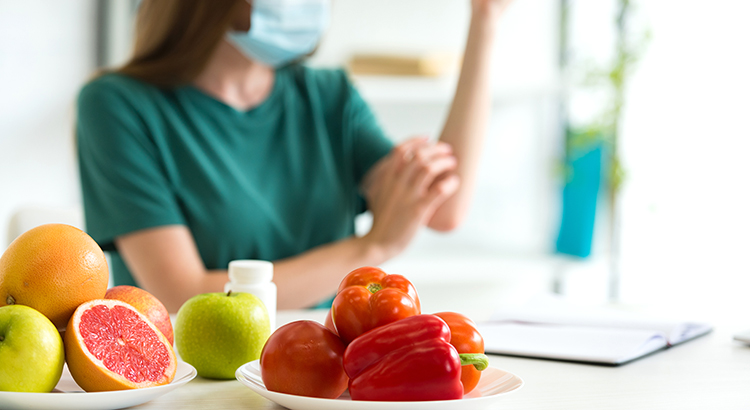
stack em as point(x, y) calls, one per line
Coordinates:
point(592, 162)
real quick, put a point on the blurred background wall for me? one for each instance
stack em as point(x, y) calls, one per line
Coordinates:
point(47, 50)
point(684, 134)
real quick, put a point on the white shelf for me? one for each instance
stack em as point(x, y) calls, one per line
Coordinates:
point(440, 90)
point(403, 89)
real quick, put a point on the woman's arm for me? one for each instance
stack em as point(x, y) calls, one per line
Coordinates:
point(166, 262)
point(402, 191)
point(467, 120)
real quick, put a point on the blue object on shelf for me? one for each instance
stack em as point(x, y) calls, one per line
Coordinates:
point(579, 201)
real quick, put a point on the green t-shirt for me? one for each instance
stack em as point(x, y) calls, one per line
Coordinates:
point(267, 183)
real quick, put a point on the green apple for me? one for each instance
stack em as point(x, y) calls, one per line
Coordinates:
point(219, 332)
point(31, 351)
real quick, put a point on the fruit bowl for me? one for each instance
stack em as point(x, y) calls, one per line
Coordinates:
point(68, 396)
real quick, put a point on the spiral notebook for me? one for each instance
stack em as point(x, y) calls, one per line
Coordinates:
point(606, 337)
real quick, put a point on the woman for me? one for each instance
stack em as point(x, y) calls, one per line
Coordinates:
point(212, 144)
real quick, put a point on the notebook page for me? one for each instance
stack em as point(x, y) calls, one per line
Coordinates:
point(577, 343)
point(554, 311)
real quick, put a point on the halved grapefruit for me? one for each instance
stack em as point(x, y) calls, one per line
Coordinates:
point(109, 345)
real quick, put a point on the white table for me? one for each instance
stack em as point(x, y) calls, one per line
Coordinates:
point(712, 372)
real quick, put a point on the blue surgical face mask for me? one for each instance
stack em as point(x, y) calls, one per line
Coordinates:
point(282, 31)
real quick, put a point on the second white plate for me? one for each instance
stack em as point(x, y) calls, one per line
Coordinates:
point(493, 385)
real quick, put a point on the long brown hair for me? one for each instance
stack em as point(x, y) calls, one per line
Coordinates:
point(174, 39)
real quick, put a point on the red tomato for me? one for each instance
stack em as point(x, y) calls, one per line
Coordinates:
point(329, 323)
point(466, 339)
point(368, 298)
point(306, 359)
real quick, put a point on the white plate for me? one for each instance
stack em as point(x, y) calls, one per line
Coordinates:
point(68, 396)
point(493, 385)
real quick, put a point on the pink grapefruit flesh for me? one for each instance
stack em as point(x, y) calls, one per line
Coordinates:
point(109, 345)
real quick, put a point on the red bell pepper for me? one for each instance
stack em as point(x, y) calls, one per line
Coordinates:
point(408, 360)
point(367, 298)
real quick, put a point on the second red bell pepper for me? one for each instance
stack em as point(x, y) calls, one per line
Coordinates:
point(408, 360)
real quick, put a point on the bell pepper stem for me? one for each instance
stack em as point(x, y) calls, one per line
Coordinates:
point(374, 287)
point(479, 360)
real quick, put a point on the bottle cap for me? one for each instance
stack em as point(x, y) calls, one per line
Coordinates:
point(250, 271)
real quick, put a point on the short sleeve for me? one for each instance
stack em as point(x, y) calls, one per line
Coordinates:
point(123, 180)
point(369, 142)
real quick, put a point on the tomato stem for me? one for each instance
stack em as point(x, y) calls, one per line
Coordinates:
point(10, 300)
point(479, 360)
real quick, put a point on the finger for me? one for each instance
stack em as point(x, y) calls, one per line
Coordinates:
point(410, 144)
point(427, 153)
point(405, 151)
point(426, 158)
point(443, 147)
point(432, 171)
point(428, 161)
point(389, 176)
point(439, 192)
point(428, 149)
point(432, 151)
point(445, 187)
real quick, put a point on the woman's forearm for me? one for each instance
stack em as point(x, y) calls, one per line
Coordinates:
point(166, 262)
point(467, 119)
point(307, 279)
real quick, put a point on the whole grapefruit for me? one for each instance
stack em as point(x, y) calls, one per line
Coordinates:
point(53, 268)
point(145, 303)
point(109, 345)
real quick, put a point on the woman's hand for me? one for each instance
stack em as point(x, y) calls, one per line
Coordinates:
point(404, 189)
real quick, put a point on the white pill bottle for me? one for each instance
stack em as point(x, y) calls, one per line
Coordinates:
point(255, 277)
